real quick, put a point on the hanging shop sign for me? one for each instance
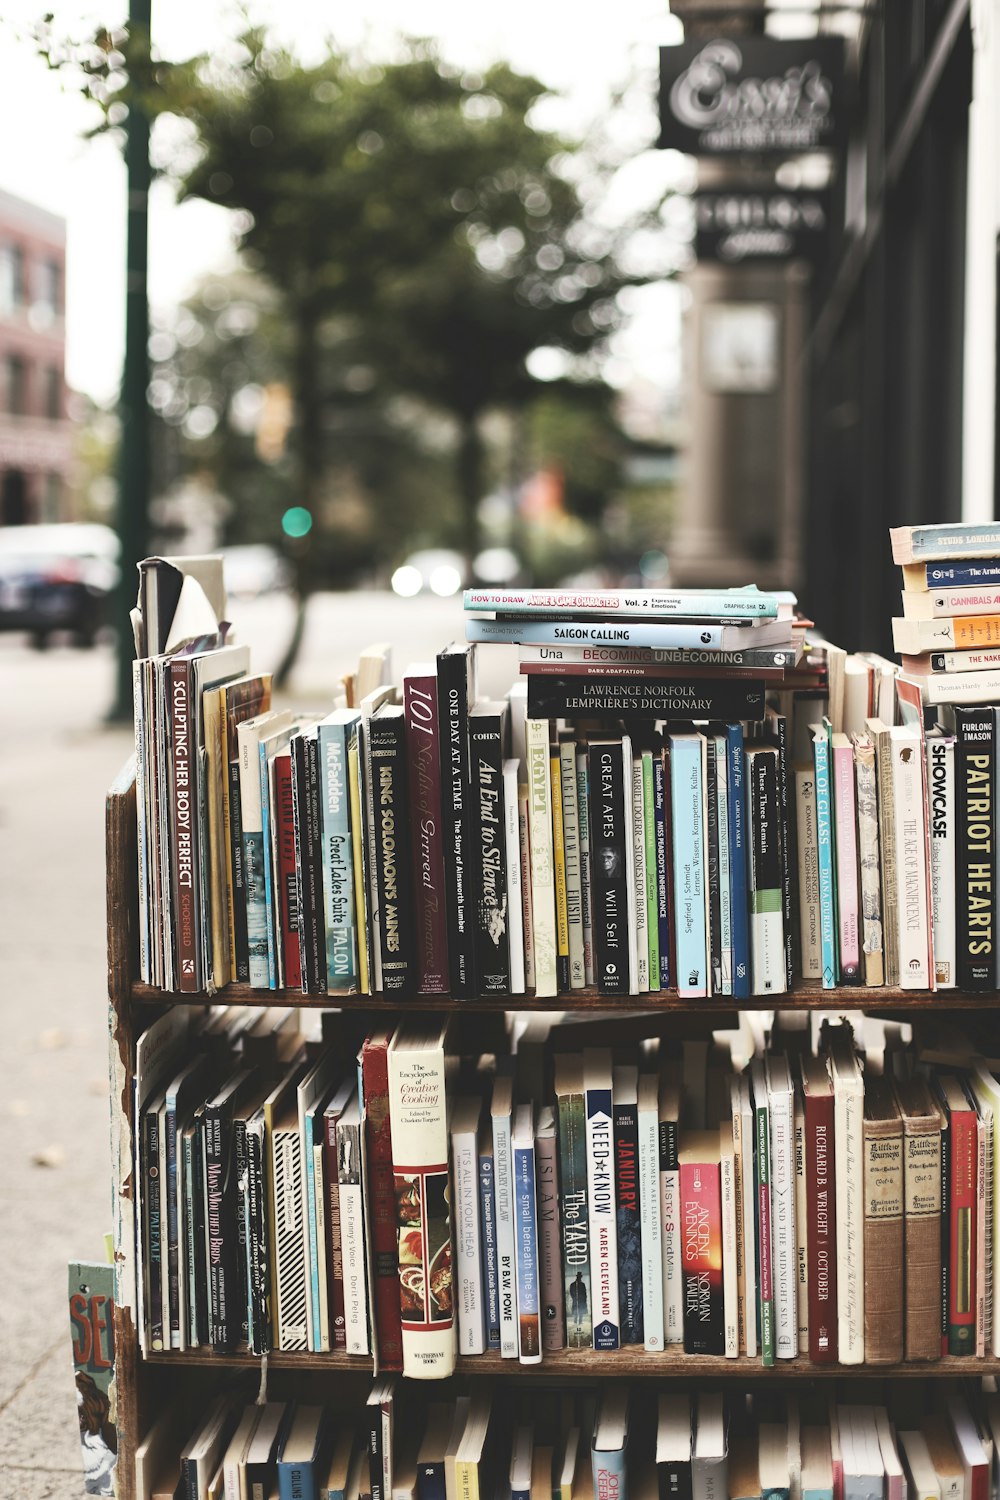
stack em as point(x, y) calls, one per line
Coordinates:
point(757, 94)
point(738, 226)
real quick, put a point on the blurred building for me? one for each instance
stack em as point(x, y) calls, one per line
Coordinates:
point(36, 446)
point(849, 385)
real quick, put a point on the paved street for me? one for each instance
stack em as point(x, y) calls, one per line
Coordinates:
point(57, 760)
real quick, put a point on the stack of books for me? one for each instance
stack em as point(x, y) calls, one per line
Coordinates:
point(542, 1445)
point(426, 1189)
point(949, 631)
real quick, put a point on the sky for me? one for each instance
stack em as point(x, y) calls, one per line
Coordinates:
point(582, 50)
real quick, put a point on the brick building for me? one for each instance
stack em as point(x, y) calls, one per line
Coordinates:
point(36, 445)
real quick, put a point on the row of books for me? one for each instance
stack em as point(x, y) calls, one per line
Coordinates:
point(447, 1194)
point(629, 1444)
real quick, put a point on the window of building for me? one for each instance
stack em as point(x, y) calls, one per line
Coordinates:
point(48, 287)
point(11, 278)
point(16, 385)
point(53, 393)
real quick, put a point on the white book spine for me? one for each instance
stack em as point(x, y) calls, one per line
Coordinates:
point(650, 1230)
point(741, 1273)
point(289, 1255)
point(911, 869)
point(503, 1186)
point(809, 921)
point(352, 1232)
point(670, 1194)
point(941, 800)
point(633, 917)
point(639, 922)
point(746, 1141)
point(783, 1238)
point(468, 1250)
point(527, 917)
point(848, 1127)
point(725, 888)
point(515, 897)
point(868, 861)
point(984, 1228)
point(603, 1227)
point(960, 687)
point(571, 855)
point(542, 865)
point(730, 1295)
point(586, 898)
point(319, 1204)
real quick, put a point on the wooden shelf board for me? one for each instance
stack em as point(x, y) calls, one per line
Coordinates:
point(803, 997)
point(584, 1364)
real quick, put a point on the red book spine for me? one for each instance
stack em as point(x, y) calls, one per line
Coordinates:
point(701, 1258)
point(334, 1247)
point(962, 1197)
point(821, 1229)
point(183, 808)
point(382, 1198)
point(420, 707)
point(288, 891)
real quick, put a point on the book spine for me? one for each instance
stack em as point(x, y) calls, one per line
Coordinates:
point(559, 869)
point(219, 1226)
point(527, 899)
point(765, 1263)
point(601, 1203)
point(925, 576)
point(962, 1196)
point(334, 1237)
point(573, 862)
point(713, 877)
point(529, 1322)
point(668, 835)
point(932, 543)
point(637, 853)
point(177, 1341)
point(601, 659)
point(514, 896)
point(845, 817)
point(725, 877)
point(942, 603)
point(423, 739)
point(359, 853)
point(821, 1243)
point(730, 1298)
point(922, 1241)
point(190, 1276)
point(811, 962)
point(887, 855)
point(554, 633)
point(670, 1209)
point(503, 1187)
point(825, 852)
point(468, 1250)
point(575, 1217)
point(543, 891)
point(492, 924)
point(352, 1234)
point(868, 859)
point(297, 754)
point(312, 912)
point(884, 1271)
point(738, 863)
point(453, 685)
point(573, 697)
point(288, 903)
point(153, 1227)
point(241, 948)
point(650, 1229)
point(184, 870)
point(586, 876)
point(701, 1256)
point(941, 794)
point(661, 858)
point(258, 1277)
point(629, 1224)
point(801, 1226)
point(382, 1200)
point(737, 604)
point(338, 862)
point(849, 1170)
point(610, 846)
point(911, 866)
point(687, 786)
point(786, 838)
point(142, 830)
point(975, 897)
point(289, 1247)
point(767, 948)
point(241, 1167)
point(269, 834)
point(739, 1188)
point(488, 1219)
point(397, 931)
point(783, 1235)
point(201, 1294)
point(549, 1246)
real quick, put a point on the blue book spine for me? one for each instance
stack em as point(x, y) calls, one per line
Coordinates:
point(311, 1230)
point(430, 1482)
point(962, 575)
point(529, 1317)
point(662, 910)
point(952, 540)
point(296, 1481)
point(639, 633)
point(265, 811)
point(610, 1473)
point(488, 1215)
point(687, 800)
point(824, 842)
point(738, 909)
point(338, 868)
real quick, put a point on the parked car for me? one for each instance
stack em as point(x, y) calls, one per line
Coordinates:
point(436, 570)
point(59, 577)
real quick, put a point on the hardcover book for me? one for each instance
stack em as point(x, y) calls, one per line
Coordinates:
point(598, 1084)
point(381, 1207)
point(525, 1212)
point(575, 1214)
point(334, 735)
point(423, 743)
point(922, 1122)
point(397, 932)
point(611, 842)
point(687, 795)
point(456, 689)
point(629, 1220)
point(543, 903)
point(488, 736)
point(701, 1243)
point(821, 1224)
point(884, 1240)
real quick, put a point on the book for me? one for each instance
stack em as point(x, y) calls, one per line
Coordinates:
point(741, 1113)
point(373, 1070)
point(767, 942)
point(922, 577)
point(456, 693)
point(260, 1468)
point(906, 747)
point(879, 733)
point(846, 843)
point(866, 786)
point(574, 696)
point(975, 877)
point(574, 1210)
point(598, 1102)
point(670, 1211)
point(688, 604)
point(650, 1225)
point(628, 1213)
point(922, 1122)
point(515, 894)
point(397, 932)
point(665, 636)
point(963, 1152)
point(738, 860)
point(586, 870)
point(957, 633)
point(696, 661)
point(884, 1225)
point(379, 1411)
point(333, 1230)
point(985, 1092)
point(942, 602)
point(288, 1175)
point(762, 1178)
point(464, 1126)
point(848, 1114)
point(941, 801)
point(810, 958)
point(821, 1224)
point(673, 1446)
point(340, 917)
point(300, 1453)
point(559, 867)
point(423, 742)
point(826, 851)
point(976, 1455)
point(543, 904)
point(550, 1268)
point(488, 1223)
point(944, 542)
point(701, 1243)
point(488, 736)
point(525, 1214)
point(611, 843)
point(419, 1136)
point(91, 1316)
point(713, 892)
point(609, 1446)
point(687, 796)
point(709, 1469)
point(784, 1247)
point(727, 1191)
point(923, 1481)
point(501, 1113)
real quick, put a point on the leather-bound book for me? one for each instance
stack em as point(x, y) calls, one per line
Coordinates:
point(883, 1137)
point(922, 1121)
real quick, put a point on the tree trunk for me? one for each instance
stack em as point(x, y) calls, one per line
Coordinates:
point(469, 465)
point(309, 445)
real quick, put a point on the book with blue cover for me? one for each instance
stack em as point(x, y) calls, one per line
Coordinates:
point(529, 1319)
point(824, 843)
point(335, 733)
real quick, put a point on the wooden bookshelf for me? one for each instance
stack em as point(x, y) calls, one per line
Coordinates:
point(140, 1382)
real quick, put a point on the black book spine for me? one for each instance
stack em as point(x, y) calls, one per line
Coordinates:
point(674, 1480)
point(628, 1223)
point(312, 922)
point(153, 1226)
point(241, 956)
point(454, 676)
point(714, 886)
point(240, 1283)
point(260, 1266)
point(786, 838)
point(486, 748)
point(610, 842)
point(376, 1473)
point(553, 697)
point(219, 1227)
point(296, 750)
point(975, 873)
point(200, 1269)
point(173, 1233)
point(397, 927)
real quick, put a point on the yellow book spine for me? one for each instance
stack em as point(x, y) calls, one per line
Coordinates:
point(466, 1479)
point(971, 631)
point(559, 859)
point(360, 902)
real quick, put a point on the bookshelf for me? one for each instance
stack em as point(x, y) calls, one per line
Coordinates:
point(141, 1382)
